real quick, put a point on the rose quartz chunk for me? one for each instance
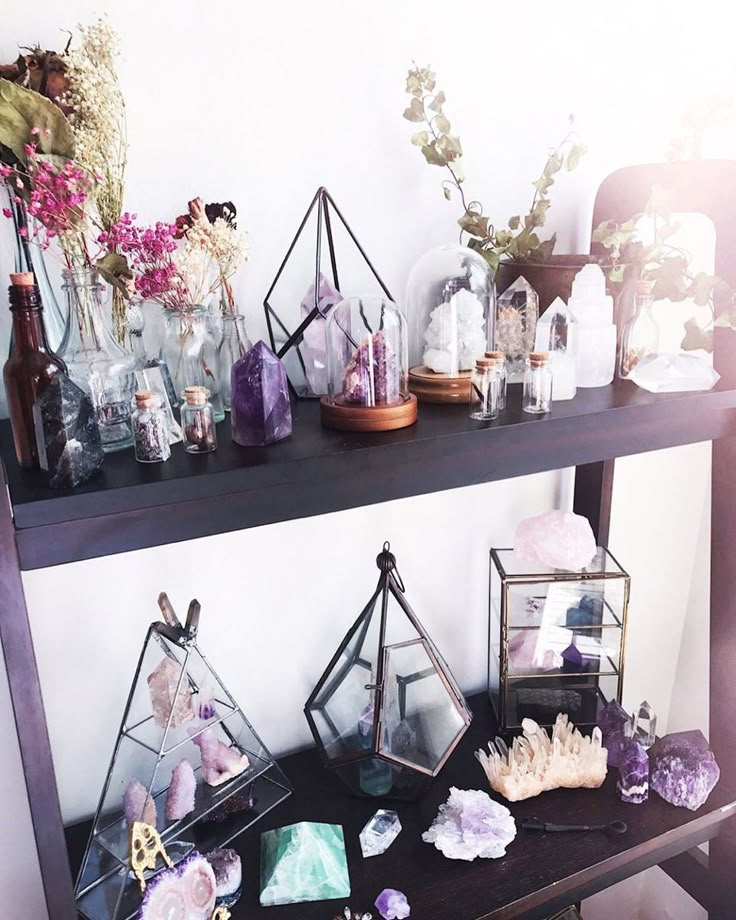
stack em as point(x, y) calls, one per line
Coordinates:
point(162, 685)
point(138, 804)
point(182, 789)
point(556, 540)
point(219, 762)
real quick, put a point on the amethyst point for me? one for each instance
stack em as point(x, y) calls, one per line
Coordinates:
point(261, 410)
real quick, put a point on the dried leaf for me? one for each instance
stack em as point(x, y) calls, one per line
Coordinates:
point(438, 101)
point(441, 124)
point(574, 155)
point(515, 222)
point(21, 110)
point(696, 337)
point(447, 192)
point(415, 112)
point(420, 139)
point(115, 270)
point(616, 274)
point(432, 155)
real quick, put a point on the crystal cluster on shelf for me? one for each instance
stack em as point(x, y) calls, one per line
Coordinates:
point(612, 722)
point(674, 374)
point(392, 904)
point(537, 762)
point(684, 769)
point(186, 891)
point(456, 334)
point(314, 344)
point(261, 408)
point(228, 876)
point(303, 862)
point(470, 825)
point(187, 768)
point(556, 540)
point(380, 832)
point(372, 376)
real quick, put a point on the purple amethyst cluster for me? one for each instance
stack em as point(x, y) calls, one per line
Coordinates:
point(684, 769)
point(633, 780)
point(372, 378)
point(612, 720)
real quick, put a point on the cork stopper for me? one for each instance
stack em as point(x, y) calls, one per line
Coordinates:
point(147, 399)
point(22, 279)
point(196, 396)
point(498, 357)
point(538, 358)
point(483, 364)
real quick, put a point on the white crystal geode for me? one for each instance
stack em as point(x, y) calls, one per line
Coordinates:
point(557, 540)
point(537, 763)
point(456, 334)
point(471, 824)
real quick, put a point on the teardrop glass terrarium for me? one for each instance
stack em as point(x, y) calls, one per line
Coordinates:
point(387, 713)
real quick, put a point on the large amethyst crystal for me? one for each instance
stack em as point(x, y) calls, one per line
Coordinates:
point(373, 376)
point(611, 722)
point(633, 782)
point(261, 410)
point(684, 769)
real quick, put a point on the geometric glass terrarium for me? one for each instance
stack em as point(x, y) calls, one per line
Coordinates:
point(186, 761)
point(450, 306)
point(306, 288)
point(387, 713)
point(556, 639)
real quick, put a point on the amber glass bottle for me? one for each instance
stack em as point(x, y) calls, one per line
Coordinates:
point(30, 366)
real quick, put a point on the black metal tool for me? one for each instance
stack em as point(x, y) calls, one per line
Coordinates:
point(534, 824)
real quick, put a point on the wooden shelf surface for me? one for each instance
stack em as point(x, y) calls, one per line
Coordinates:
point(540, 874)
point(132, 506)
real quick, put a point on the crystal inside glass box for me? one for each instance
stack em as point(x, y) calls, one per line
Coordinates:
point(556, 639)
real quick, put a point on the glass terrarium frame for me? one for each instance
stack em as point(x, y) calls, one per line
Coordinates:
point(325, 207)
point(105, 887)
point(507, 679)
point(389, 586)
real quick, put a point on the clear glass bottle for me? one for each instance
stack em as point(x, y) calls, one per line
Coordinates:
point(95, 361)
point(198, 421)
point(641, 334)
point(30, 367)
point(235, 345)
point(537, 384)
point(499, 359)
point(150, 424)
point(484, 390)
point(190, 353)
point(136, 322)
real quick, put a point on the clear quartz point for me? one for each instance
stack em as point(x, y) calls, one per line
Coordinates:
point(642, 726)
point(379, 833)
point(501, 747)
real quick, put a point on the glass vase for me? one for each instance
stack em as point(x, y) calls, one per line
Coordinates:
point(235, 345)
point(190, 353)
point(640, 337)
point(96, 362)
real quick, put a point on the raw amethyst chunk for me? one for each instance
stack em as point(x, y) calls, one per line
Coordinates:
point(684, 769)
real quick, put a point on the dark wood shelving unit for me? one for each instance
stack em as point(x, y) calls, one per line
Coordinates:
point(130, 506)
point(540, 874)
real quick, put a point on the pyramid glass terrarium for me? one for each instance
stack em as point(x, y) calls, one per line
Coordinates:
point(387, 713)
point(186, 762)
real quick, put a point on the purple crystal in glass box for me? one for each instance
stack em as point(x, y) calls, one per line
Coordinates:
point(261, 410)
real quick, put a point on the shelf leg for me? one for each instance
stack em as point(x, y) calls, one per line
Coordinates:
point(593, 491)
point(30, 721)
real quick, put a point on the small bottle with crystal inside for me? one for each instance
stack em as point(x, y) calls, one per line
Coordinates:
point(537, 384)
point(484, 390)
point(150, 428)
point(198, 421)
point(641, 334)
point(499, 358)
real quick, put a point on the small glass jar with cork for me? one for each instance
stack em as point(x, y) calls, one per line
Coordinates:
point(484, 390)
point(198, 421)
point(537, 396)
point(499, 360)
point(150, 425)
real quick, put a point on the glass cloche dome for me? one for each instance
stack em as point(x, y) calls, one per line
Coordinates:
point(367, 386)
point(450, 308)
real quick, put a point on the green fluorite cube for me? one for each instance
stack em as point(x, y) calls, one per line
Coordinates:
point(303, 862)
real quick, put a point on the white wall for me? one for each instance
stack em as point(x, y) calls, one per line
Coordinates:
point(262, 102)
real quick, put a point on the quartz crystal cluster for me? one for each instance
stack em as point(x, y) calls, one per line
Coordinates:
point(380, 832)
point(170, 696)
point(372, 376)
point(186, 892)
point(536, 763)
point(456, 334)
point(138, 805)
point(392, 904)
point(182, 791)
point(220, 763)
point(303, 862)
point(471, 824)
point(556, 540)
point(228, 875)
point(684, 769)
point(516, 325)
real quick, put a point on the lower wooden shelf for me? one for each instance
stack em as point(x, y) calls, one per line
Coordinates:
point(541, 873)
